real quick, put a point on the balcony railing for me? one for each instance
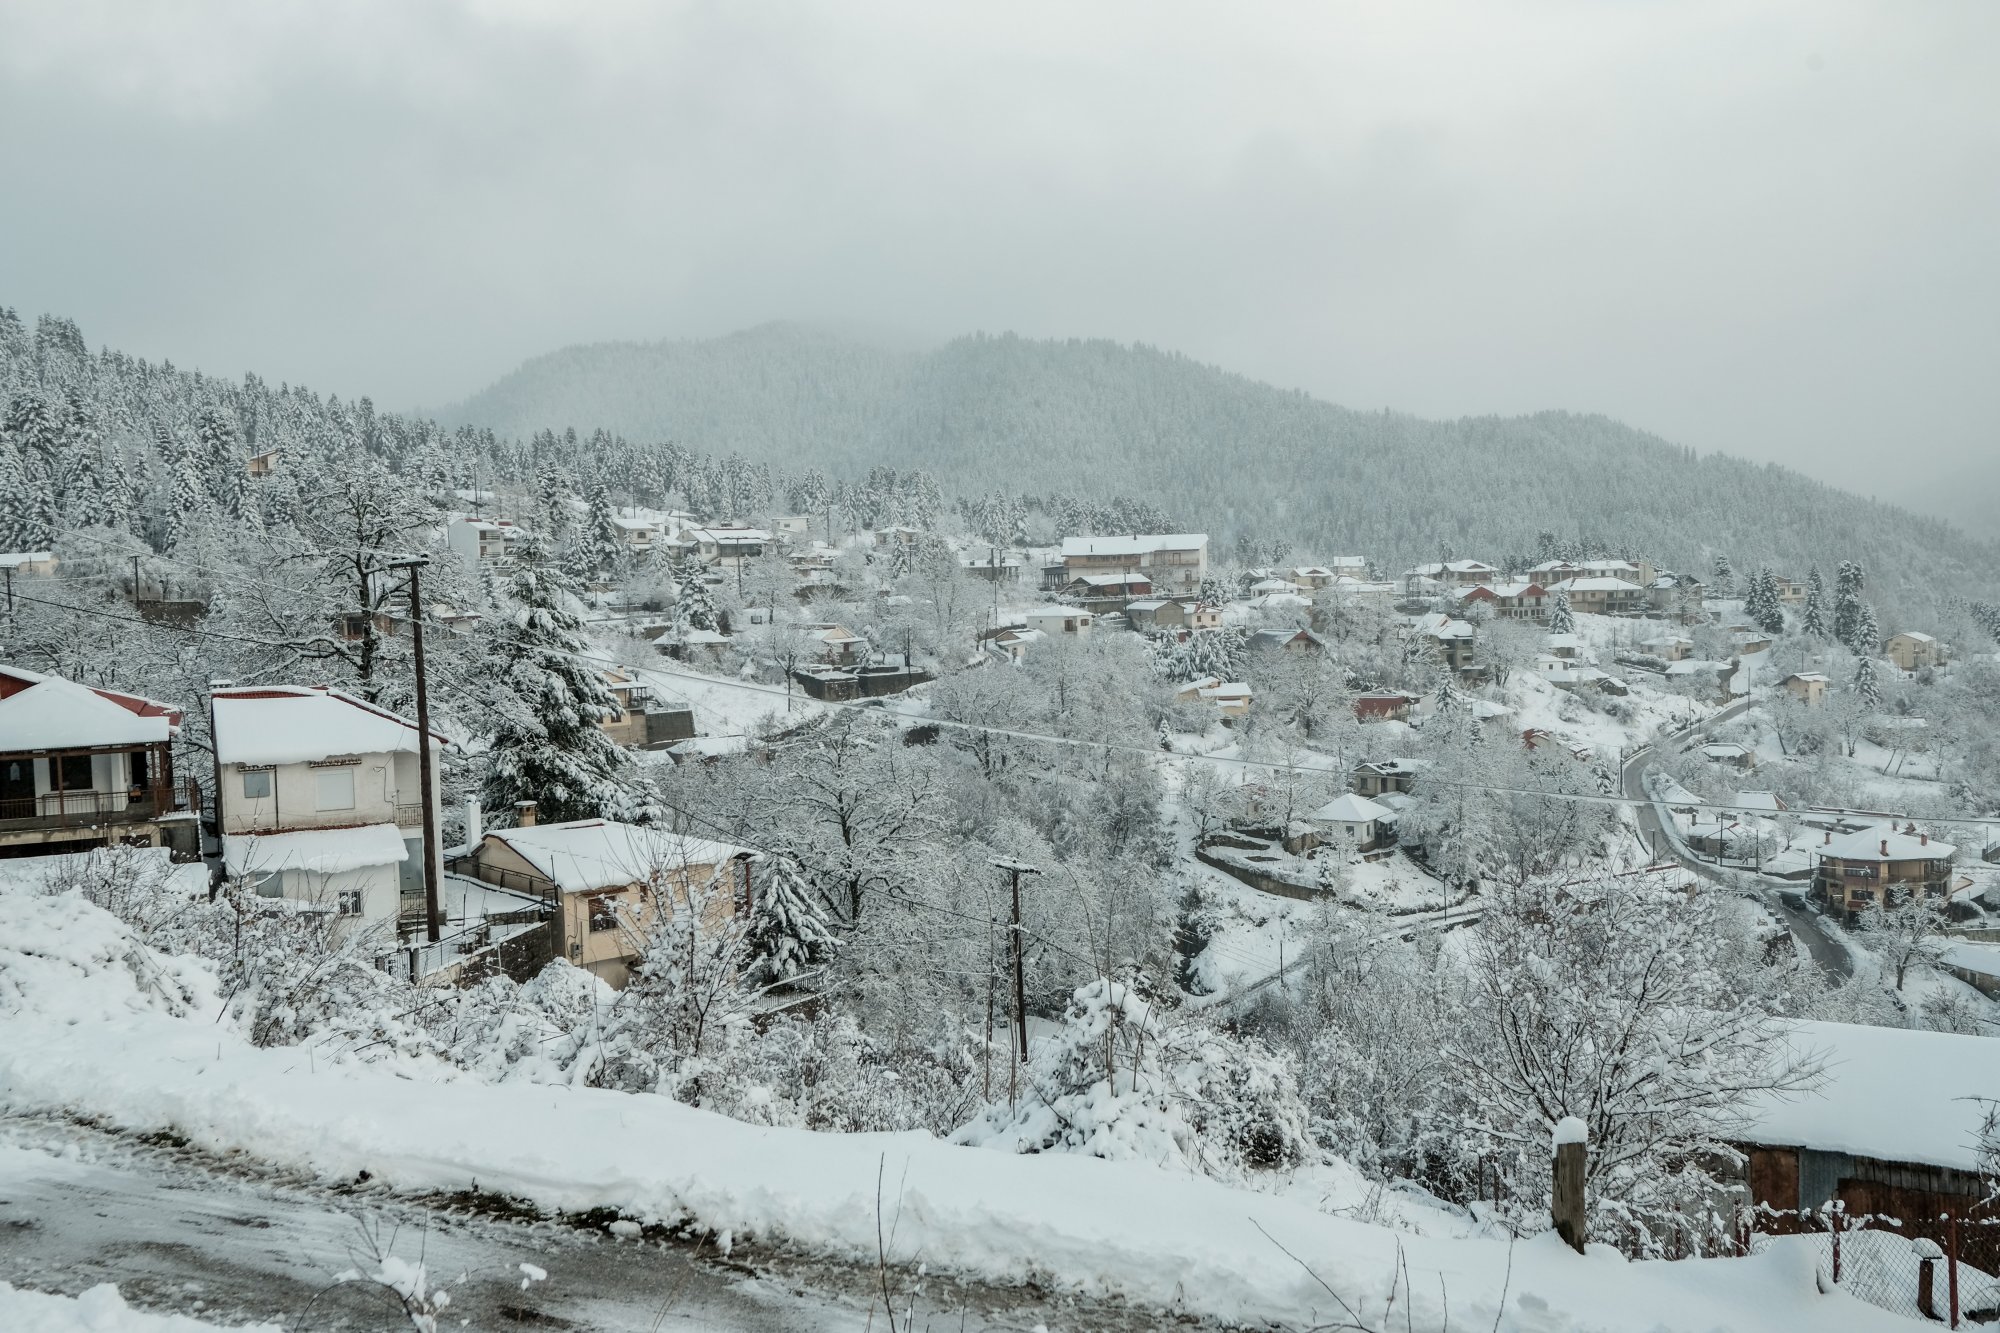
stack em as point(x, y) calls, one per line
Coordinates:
point(89, 809)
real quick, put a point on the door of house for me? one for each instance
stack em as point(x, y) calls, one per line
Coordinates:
point(17, 787)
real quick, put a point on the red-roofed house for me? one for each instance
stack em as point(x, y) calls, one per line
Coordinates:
point(83, 768)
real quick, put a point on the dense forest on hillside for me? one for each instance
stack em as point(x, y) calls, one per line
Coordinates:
point(1223, 453)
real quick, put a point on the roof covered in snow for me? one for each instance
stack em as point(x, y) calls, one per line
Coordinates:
point(317, 851)
point(1137, 544)
point(1349, 809)
point(1883, 843)
point(17, 559)
point(588, 854)
point(1894, 1094)
point(1598, 585)
point(294, 724)
point(42, 712)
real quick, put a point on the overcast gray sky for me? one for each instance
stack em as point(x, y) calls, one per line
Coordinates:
point(1768, 228)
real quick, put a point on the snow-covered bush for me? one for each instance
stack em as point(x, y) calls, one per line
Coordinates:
point(1119, 1080)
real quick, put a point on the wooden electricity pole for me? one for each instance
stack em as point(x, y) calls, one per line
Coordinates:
point(1018, 1052)
point(433, 911)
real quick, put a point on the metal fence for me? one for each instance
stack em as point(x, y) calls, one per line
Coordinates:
point(1939, 1270)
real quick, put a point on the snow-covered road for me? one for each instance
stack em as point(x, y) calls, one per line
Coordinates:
point(228, 1241)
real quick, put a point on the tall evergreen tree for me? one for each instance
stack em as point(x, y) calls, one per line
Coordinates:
point(1561, 619)
point(1847, 587)
point(187, 500)
point(787, 935)
point(1766, 611)
point(601, 547)
point(1816, 621)
point(694, 604)
point(548, 700)
point(1865, 683)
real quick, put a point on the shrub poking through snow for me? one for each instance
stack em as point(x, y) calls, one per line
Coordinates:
point(1118, 1080)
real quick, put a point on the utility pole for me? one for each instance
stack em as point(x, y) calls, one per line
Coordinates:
point(433, 912)
point(1019, 1052)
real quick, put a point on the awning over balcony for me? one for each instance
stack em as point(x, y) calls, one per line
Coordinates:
point(316, 851)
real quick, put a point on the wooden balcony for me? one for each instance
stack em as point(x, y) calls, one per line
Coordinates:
point(95, 809)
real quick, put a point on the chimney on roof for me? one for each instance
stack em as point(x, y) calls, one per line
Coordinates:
point(1923, 840)
point(524, 815)
point(1829, 839)
point(1885, 848)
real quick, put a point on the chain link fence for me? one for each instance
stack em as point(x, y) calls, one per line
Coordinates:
point(1939, 1270)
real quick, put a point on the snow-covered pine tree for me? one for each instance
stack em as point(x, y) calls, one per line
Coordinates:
point(1816, 622)
point(694, 603)
point(601, 549)
point(1847, 585)
point(787, 935)
point(1561, 619)
point(1723, 576)
point(548, 698)
point(187, 500)
point(1866, 687)
point(1765, 609)
point(1213, 652)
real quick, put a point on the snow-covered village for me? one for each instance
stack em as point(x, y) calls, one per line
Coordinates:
point(808, 829)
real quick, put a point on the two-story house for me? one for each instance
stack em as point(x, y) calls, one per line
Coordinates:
point(484, 544)
point(641, 720)
point(1912, 650)
point(1872, 866)
point(317, 799)
point(611, 882)
point(83, 768)
point(1174, 561)
point(1604, 595)
point(1515, 600)
point(1442, 575)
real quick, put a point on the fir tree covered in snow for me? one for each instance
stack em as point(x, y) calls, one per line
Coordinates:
point(547, 702)
point(694, 603)
point(1816, 622)
point(598, 547)
point(787, 935)
point(1763, 606)
point(1561, 619)
point(1847, 587)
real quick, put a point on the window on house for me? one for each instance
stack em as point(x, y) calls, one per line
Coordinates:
point(336, 788)
point(74, 774)
point(350, 902)
point(257, 784)
point(268, 886)
point(603, 913)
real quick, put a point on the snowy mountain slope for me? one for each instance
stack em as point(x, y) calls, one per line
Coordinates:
point(1221, 452)
point(100, 1026)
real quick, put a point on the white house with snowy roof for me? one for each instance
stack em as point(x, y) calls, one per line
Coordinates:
point(1174, 561)
point(612, 881)
point(318, 798)
point(83, 768)
point(1357, 820)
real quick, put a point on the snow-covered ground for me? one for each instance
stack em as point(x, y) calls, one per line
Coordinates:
point(99, 1026)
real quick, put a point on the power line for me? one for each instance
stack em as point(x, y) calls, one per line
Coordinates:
point(155, 624)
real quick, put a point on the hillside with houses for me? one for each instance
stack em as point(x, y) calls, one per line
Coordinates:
point(550, 797)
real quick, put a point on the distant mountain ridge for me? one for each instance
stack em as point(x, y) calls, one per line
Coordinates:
point(1225, 453)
